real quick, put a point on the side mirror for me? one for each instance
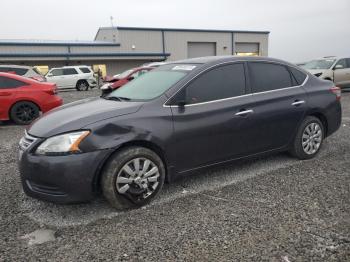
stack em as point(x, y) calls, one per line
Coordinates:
point(338, 67)
point(130, 78)
point(49, 75)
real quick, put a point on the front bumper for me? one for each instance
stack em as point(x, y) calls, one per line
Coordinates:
point(61, 179)
point(92, 82)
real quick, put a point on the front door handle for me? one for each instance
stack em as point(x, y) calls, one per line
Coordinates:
point(5, 93)
point(244, 112)
point(298, 102)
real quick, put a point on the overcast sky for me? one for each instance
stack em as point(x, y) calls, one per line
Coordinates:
point(300, 29)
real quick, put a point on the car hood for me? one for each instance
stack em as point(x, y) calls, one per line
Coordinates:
point(316, 71)
point(77, 115)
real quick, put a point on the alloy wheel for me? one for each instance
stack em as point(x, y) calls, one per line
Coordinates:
point(312, 138)
point(25, 113)
point(138, 179)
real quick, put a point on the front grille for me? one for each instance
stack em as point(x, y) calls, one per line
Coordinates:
point(26, 141)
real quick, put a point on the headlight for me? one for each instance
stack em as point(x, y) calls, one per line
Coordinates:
point(62, 144)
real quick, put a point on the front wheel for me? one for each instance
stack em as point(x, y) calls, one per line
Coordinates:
point(308, 140)
point(132, 177)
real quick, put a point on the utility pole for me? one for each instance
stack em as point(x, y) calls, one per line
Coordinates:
point(112, 20)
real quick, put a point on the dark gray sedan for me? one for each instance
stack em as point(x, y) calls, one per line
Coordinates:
point(183, 116)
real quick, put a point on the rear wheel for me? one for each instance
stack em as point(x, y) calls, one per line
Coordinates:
point(82, 85)
point(23, 113)
point(132, 177)
point(309, 138)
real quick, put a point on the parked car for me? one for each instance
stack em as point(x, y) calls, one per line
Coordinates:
point(79, 77)
point(22, 99)
point(123, 78)
point(180, 117)
point(26, 71)
point(336, 69)
point(154, 64)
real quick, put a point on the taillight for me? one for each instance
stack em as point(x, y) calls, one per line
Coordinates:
point(50, 92)
point(337, 91)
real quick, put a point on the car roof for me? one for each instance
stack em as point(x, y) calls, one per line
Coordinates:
point(331, 57)
point(16, 66)
point(75, 66)
point(18, 77)
point(142, 67)
point(213, 60)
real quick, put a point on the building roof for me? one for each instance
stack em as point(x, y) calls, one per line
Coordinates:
point(181, 30)
point(35, 42)
point(149, 54)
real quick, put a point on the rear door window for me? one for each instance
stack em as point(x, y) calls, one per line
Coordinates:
point(221, 82)
point(268, 76)
point(7, 83)
point(69, 71)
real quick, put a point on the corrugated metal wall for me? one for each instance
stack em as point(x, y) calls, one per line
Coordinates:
point(262, 39)
point(176, 43)
point(143, 41)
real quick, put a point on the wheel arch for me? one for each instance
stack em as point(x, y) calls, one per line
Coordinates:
point(141, 143)
point(322, 118)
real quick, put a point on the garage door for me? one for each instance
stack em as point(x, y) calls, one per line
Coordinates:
point(247, 49)
point(198, 49)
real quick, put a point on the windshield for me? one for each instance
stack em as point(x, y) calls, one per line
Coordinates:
point(37, 71)
point(152, 84)
point(125, 73)
point(319, 64)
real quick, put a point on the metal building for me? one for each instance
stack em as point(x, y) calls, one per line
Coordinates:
point(120, 48)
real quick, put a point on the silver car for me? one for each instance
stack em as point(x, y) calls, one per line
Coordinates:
point(26, 71)
point(336, 69)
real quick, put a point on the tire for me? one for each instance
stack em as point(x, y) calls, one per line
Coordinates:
point(23, 113)
point(303, 146)
point(82, 85)
point(125, 189)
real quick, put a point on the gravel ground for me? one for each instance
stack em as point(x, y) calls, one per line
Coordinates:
point(274, 209)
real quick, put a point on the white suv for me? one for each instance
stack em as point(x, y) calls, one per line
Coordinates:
point(79, 77)
point(336, 69)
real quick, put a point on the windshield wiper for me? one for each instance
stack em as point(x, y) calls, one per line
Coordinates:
point(117, 98)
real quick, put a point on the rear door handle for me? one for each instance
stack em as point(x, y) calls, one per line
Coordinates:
point(298, 102)
point(5, 93)
point(244, 112)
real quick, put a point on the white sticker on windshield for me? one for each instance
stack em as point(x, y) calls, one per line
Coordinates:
point(184, 67)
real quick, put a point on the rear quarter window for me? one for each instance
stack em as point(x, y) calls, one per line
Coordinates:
point(85, 70)
point(299, 76)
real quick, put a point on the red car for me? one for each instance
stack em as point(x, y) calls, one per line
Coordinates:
point(123, 78)
point(22, 99)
